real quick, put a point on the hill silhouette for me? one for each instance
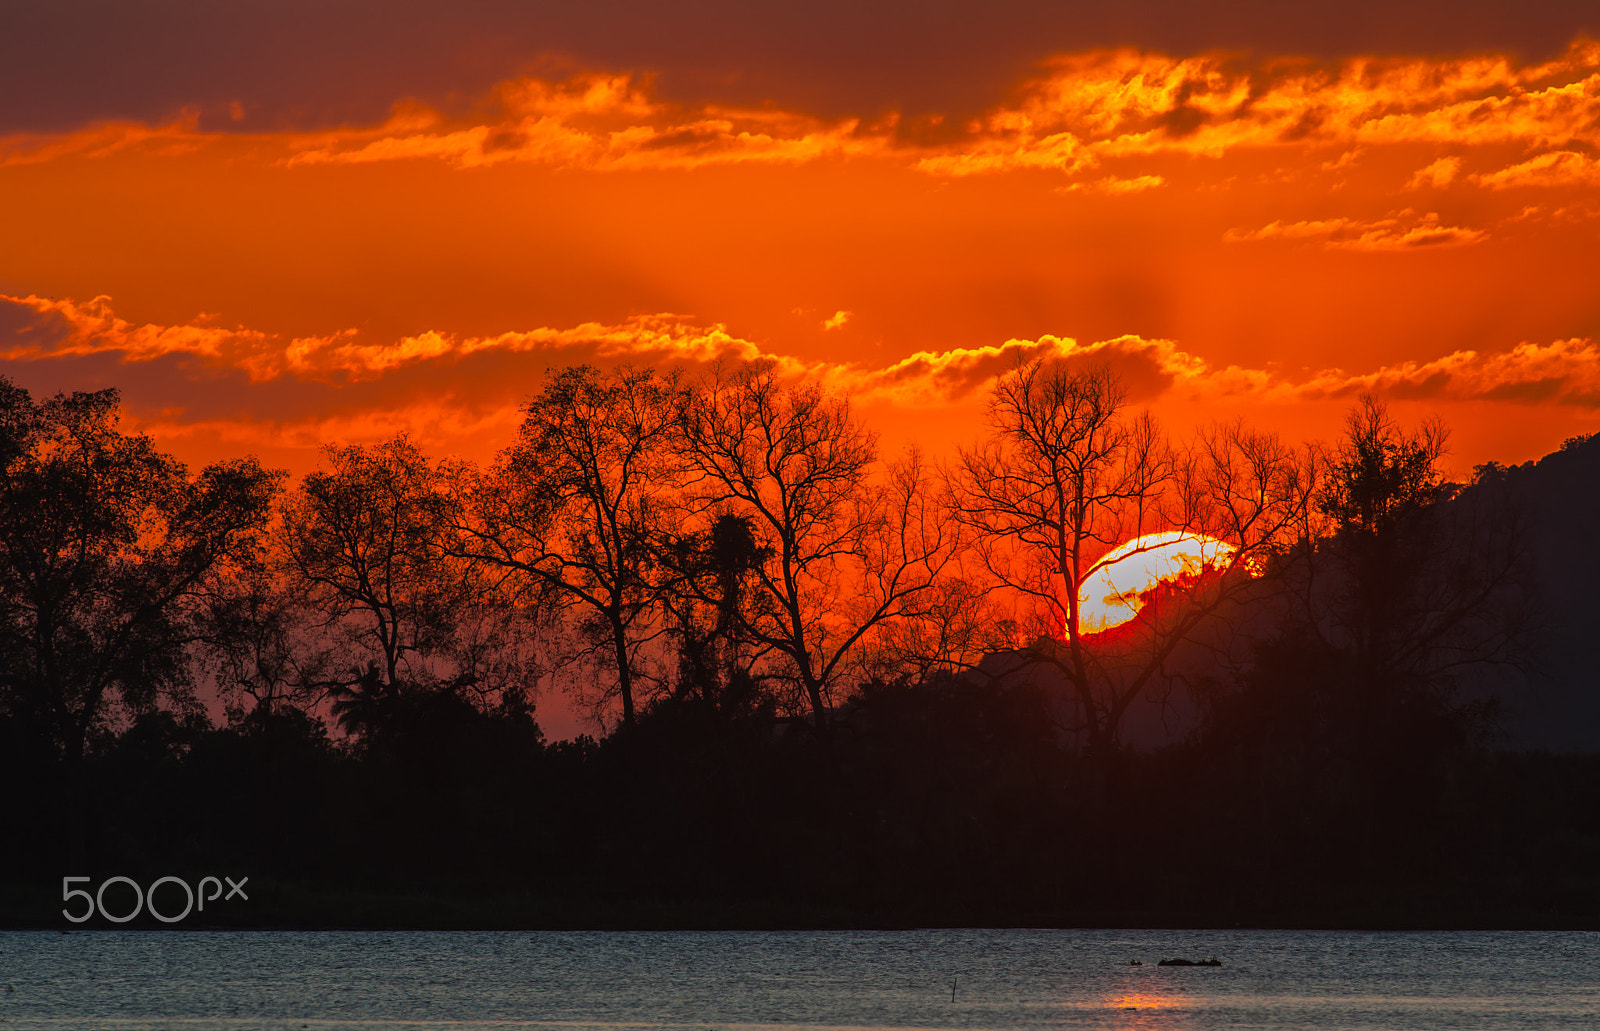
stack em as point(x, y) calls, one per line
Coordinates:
point(1547, 699)
point(1556, 706)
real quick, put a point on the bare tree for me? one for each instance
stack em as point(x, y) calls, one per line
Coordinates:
point(368, 542)
point(1071, 481)
point(256, 641)
point(577, 508)
point(957, 624)
point(850, 551)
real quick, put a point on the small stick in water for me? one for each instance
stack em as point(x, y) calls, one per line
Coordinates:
point(953, 987)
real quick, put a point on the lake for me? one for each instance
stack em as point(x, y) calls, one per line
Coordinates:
point(198, 980)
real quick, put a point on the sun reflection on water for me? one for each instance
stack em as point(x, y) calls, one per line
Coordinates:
point(1138, 1009)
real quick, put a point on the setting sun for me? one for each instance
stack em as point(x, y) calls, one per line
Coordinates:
point(1116, 591)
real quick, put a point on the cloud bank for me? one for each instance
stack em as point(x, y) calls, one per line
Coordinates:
point(34, 329)
point(1086, 110)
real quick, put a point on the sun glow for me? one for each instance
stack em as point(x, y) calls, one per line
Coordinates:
point(1123, 579)
point(1144, 1000)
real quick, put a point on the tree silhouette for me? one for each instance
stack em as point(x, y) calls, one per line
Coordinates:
point(105, 544)
point(850, 551)
point(710, 603)
point(577, 508)
point(1420, 579)
point(369, 543)
point(256, 640)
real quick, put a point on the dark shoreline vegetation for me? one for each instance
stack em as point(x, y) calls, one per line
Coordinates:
point(1495, 841)
point(836, 691)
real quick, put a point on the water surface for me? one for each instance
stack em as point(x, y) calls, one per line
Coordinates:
point(131, 980)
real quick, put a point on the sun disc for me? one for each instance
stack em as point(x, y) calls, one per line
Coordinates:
point(1114, 593)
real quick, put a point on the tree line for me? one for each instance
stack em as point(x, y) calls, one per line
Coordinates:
point(728, 566)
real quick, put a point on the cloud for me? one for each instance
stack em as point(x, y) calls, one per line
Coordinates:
point(1007, 151)
point(1564, 372)
point(1555, 168)
point(101, 140)
point(455, 413)
point(1087, 109)
point(47, 327)
point(1092, 107)
point(34, 328)
point(1100, 118)
point(1401, 232)
point(1147, 367)
point(836, 320)
point(600, 122)
point(1112, 185)
point(449, 417)
point(597, 122)
point(664, 337)
point(1439, 174)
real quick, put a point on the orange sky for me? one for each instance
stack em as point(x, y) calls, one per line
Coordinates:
point(1243, 233)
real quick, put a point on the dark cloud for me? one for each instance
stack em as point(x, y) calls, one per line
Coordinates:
point(1137, 365)
point(1527, 392)
point(320, 62)
point(176, 384)
point(20, 325)
point(194, 388)
point(1430, 386)
point(957, 374)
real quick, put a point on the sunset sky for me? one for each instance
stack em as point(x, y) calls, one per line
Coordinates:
point(274, 225)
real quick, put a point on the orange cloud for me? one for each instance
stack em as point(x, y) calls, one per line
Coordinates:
point(1147, 368)
point(1563, 372)
point(1113, 185)
point(1109, 104)
point(598, 122)
point(1086, 110)
point(1556, 168)
point(102, 140)
point(1404, 231)
point(64, 328)
point(663, 337)
point(59, 328)
point(592, 121)
point(1440, 173)
point(947, 383)
point(434, 419)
